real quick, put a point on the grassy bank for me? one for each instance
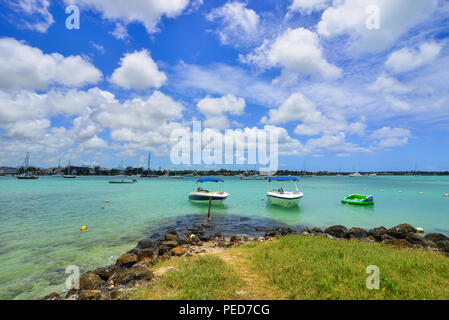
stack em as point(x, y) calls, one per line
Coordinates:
point(298, 267)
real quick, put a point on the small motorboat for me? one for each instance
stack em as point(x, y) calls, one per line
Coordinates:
point(358, 199)
point(27, 176)
point(281, 197)
point(355, 174)
point(122, 181)
point(203, 196)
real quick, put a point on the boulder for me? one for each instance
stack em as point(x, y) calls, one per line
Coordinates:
point(337, 231)
point(90, 294)
point(178, 251)
point(234, 238)
point(443, 245)
point(317, 230)
point(72, 294)
point(386, 236)
point(172, 231)
point(146, 243)
point(436, 237)
point(171, 237)
point(357, 233)
point(401, 230)
point(52, 296)
point(163, 249)
point(90, 281)
point(127, 260)
point(378, 232)
point(137, 272)
point(420, 241)
point(105, 272)
point(170, 243)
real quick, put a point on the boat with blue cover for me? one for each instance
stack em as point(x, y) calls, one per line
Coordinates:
point(279, 196)
point(203, 195)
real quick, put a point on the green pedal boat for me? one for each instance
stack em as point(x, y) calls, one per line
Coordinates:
point(358, 199)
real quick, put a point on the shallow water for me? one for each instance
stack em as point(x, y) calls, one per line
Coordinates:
point(41, 218)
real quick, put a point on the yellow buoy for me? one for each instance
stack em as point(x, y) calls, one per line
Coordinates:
point(400, 191)
point(107, 201)
point(263, 199)
point(420, 230)
point(83, 228)
point(102, 207)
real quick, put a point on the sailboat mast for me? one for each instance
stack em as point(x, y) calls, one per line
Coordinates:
point(149, 155)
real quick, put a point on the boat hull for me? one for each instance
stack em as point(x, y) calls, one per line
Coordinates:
point(204, 198)
point(122, 181)
point(359, 200)
point(284, 201)
point(28, 177)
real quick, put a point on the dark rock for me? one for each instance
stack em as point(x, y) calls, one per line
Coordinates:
point(127, 260)
point(260, 229)
point(420, 241)
point(90, 281)
point(52, 296)
point(370, 238)
point(436, 237)
point(72, 294)
point(89, 294)
point(170, 243)
point(443, 245)
point(244, 218)
point(171, 237)
point(401, 230)
point(105, 272)
point(145, 243)
point(357, 233)
point(172, 231)
point(137, 272)
point(278, 231)
point(378, 232)
point(235, 238)
point(386, 237)
point(317, 230)
point(337, 231)
point(163, 250)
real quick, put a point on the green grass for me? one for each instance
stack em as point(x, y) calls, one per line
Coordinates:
point(320, 268)
point(298, 267)
point(196, 278)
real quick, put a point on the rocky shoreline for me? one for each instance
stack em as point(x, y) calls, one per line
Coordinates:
point(134, 268)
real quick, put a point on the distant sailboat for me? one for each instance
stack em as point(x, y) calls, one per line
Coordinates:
point(25, 175)
point(69, 175)
point(149, 175)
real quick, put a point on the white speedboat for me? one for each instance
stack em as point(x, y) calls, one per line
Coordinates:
point(355, 174)
point(203, 196)
point(281, 197)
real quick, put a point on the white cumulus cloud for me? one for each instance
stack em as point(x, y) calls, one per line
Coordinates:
point(138, 71)
point(215, 108)
point(407, 59)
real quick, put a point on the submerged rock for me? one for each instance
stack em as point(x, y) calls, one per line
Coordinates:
point(337, 231)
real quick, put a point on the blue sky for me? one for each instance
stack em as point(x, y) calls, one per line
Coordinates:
point(341, 95)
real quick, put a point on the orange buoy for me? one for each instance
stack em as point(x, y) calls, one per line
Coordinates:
point(421, 193)
point(102, 207)
point(446, 195)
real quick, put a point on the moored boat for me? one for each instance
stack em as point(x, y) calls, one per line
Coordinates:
point(281, 197)
point(204, 196)
point(25, 175)
point(122, 181)
point(358, 199)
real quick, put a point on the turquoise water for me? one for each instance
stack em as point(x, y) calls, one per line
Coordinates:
point(40, 219)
